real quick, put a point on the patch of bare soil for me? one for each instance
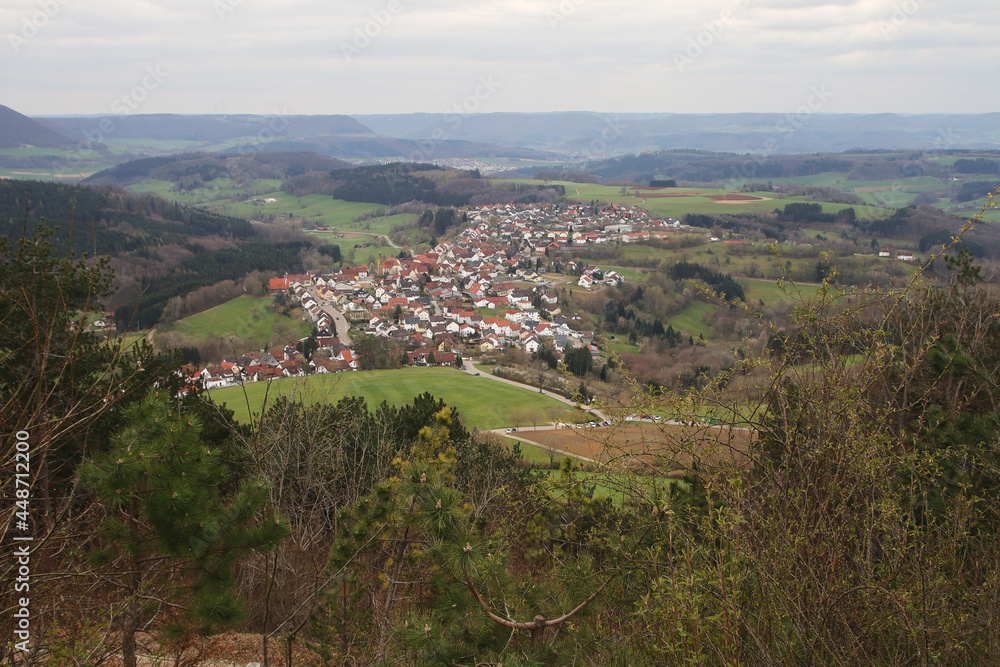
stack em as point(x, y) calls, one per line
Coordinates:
point(736, 199)
point(646, 442)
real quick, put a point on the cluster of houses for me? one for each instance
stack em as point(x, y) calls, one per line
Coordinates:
point(264, 365)
point(485, 290)
point(555, 226)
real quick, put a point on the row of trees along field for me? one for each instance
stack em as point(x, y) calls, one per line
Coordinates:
point(848, 516)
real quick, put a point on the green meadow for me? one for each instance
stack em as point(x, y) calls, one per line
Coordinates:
point(246, 317)
point(481, 402)
point(695, 320)
point(697, 202)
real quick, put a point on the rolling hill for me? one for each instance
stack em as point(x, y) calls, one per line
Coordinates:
point(197, 168)
point(17, 131)
point(586, 134)
point(204, 129)
point(335, 135)
point(157, 249)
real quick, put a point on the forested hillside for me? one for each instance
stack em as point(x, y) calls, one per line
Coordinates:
point(398, 183)
point(193, 170)
point(158, 249)
point(109, 220)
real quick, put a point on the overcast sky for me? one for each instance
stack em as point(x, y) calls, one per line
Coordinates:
point(397, 56)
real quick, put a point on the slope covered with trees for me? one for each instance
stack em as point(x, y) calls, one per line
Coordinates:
point(399, 183)
point(158, 249)
point(191, 170)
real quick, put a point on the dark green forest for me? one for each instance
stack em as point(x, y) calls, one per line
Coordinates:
point(161, 250)
point(401, 182)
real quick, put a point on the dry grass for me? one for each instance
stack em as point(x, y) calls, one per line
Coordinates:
point(668, 447)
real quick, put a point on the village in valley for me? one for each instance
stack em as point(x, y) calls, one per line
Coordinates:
point(494, 286)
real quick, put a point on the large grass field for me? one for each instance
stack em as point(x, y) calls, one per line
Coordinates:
point(246, 318)
point(696, 200)
point(317, 209)
point(380, 225)
point(481, 402)
point(744, 262)
point(321, 210)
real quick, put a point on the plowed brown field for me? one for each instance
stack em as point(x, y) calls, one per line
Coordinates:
point(661, 443)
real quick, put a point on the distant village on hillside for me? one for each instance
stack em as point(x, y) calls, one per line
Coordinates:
point(487, 290)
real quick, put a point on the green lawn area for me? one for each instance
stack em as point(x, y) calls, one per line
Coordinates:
point(359, 256)
point(481, 402)
point(315, 209)
point(267, 184)
point(621, 347)
point(694, 319)
point(769, 292)
point(635, 275)
point(320, 210)
point(165, 189)
point(536, 456)
point(246, 318)
point(382, 225)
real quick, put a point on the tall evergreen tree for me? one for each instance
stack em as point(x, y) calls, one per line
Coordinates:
point(170, 536)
